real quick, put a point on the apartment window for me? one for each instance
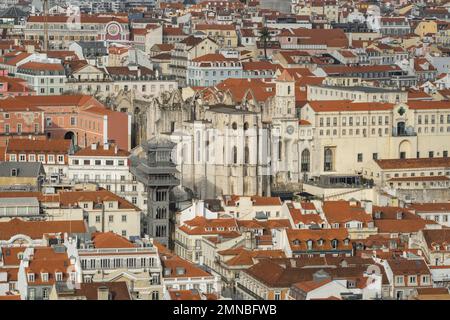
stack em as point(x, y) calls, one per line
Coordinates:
point(98, 162)
point(360, 157)
point(19, 128)
point(412, 280)
point(45, 293)
point(72, 121)
point(124, 233)
point(109, 162)
point(121, 162)
point(6, 128)
point(32, 158)
point(399, 280)
point(375, 156)
point(60, 158)
point(51, 158)
point(124, 218)
point(430, 154)
point(97, 219)
point(87, 162)
point(122, 188)
point(32, 294)
point(111, 218)
point(134, 200)
point(22, 157)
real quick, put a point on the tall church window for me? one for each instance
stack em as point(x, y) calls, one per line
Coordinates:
point(328, 160)
point(235, 155)
point(305, 160)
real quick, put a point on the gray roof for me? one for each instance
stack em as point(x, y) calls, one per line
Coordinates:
point(19, 202)
point(13, 12)
point(25, 169)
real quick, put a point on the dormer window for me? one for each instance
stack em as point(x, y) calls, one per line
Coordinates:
point(346, 241)
point(320, 242)
point(220, 228)
point(180, 271)
point(334, 243)
point(309, 244)
point(30, 277)
point(208, 229)
point(59, 276)
point(44, 277)
point(296, 242)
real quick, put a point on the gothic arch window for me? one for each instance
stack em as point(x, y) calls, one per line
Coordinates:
point(198, 145)
point(245, 125)
point(305, 160)
point(235, 155)
point(328, 160)
point(280, 149)
point(246, 155)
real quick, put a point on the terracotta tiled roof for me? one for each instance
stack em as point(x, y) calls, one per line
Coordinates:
point(426, 105)
point(100, 151)
point(430, 207)
point(42, 66)
point(84, 18)
point(36, 229)
point(348, 106)
point(437, 237)
point(215, 27)
point(10, 255)
point(42, 146)
point(173, 262)
point(413, 163)
point(401, 226)
point(298, 237)
point(426, 178)
point(110, 240)
point(184, 295)
point(402, 266)
point(342, 212)
point(307, 286)
point(118, 290)
point(47, 260)
point(202, 226)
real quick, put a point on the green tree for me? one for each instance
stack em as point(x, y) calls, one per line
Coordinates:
point(264, 37)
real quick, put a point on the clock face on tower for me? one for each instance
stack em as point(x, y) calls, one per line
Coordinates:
point(290, 129)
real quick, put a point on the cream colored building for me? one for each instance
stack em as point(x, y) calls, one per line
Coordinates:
point(347, 136)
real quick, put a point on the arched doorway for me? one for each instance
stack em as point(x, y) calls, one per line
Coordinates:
point(70, 136)
point(404, 149)
point(401, 129)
